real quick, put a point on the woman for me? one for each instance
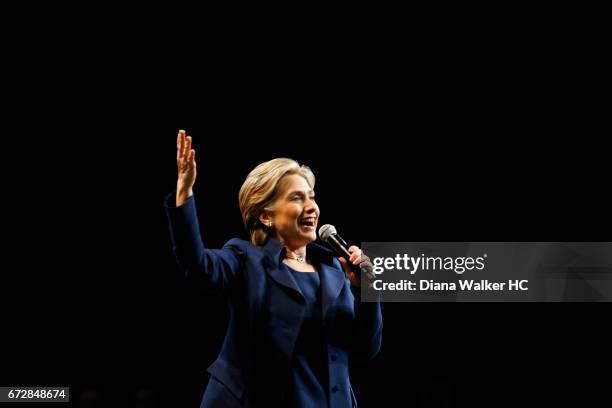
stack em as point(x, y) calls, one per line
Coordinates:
point(295, 310)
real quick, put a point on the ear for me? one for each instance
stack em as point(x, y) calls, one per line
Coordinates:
point(266, 219)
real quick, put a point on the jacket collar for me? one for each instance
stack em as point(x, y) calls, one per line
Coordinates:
point(332, 278)
point(274, 249)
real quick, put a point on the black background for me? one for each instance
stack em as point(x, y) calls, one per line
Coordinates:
point(453, 139)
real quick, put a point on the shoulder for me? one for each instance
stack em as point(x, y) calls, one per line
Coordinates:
point(238, 243)
point(248, 253)
point(244, 247)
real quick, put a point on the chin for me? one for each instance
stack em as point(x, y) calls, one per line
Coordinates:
point(308, 238)
point(307, 235)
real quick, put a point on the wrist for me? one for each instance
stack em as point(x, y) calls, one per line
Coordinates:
point(183, 194)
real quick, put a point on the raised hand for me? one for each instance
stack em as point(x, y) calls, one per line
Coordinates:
point(186, 164)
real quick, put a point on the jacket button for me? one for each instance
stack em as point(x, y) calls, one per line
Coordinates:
point(335, 388)
point(334, 357)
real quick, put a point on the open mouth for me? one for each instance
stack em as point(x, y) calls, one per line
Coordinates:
point(308, 222)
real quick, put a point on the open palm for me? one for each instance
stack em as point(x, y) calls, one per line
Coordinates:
point(186, 164)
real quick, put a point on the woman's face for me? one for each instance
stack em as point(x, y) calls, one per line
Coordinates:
point(295, 213)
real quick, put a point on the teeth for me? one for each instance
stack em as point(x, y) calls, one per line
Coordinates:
point(308, 221)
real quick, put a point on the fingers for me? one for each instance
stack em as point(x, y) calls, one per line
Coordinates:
point(185, 155)
point(356, 253)
point(180, 144)
point(187, 147)
point(189, 153)
point(191, 159)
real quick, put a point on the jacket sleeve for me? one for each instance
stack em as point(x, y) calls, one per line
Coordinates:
point(368, 316)
point(215, 269)
point(368, 325)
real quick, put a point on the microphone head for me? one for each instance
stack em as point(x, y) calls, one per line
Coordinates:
point(326, 231)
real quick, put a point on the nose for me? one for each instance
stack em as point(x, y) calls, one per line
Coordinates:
point(311, 207)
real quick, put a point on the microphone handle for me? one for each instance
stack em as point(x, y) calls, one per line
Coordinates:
point(339, 245)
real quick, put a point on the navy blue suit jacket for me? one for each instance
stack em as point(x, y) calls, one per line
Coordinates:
point(266, 312)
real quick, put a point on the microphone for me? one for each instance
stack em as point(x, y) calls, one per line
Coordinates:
point(330, 236)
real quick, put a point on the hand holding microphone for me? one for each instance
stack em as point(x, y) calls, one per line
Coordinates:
point(360, 262)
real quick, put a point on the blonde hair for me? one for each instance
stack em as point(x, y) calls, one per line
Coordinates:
point(258, 193)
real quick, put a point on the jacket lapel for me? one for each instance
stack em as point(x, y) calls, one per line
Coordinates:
point(332, 278)
point(276, 269)
point(332, 281)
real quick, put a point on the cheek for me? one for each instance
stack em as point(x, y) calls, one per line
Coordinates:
point(290, 215)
